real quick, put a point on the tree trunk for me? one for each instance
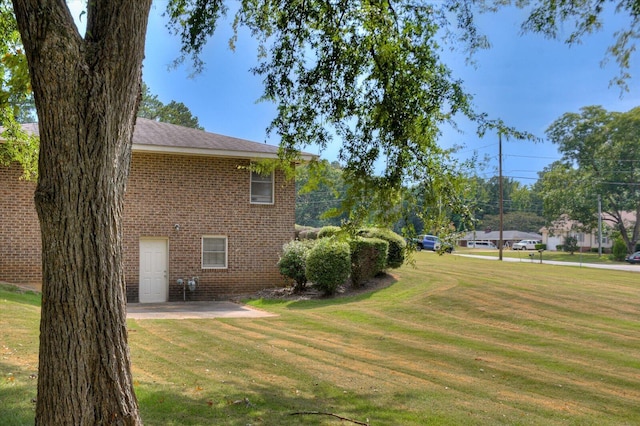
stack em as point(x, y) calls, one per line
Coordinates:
point(86, 92)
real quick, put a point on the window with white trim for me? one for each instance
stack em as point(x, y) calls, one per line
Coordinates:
point(261, 188)
point(214, 252)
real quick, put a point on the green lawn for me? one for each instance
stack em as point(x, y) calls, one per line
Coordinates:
point(453, 341)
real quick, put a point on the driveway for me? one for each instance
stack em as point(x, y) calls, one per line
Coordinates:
point(193, 310)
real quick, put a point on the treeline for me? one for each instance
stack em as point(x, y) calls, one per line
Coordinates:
point(319, 203)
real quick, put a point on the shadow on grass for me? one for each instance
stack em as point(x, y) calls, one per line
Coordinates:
point(17, 295)
point(18, 389)
point(358, 295)
point(265, 404)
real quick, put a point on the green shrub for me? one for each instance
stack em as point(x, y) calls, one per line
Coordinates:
point(368, 259)
point(397, 244)
point(328, 231)
point(292, 263)
point(560, 247)
point(328, 264)
point(541, 247)
point(619, 249)
point(570, 244)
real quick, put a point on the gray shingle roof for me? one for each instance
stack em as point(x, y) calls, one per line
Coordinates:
point(154, 136)
point(150, 135)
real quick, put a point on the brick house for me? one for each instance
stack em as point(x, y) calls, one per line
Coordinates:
point(192, 210)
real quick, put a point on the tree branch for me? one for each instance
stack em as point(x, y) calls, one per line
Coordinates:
point(320, 413)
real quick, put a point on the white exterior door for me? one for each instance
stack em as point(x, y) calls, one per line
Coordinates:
point(554, 241)
point(153, 271)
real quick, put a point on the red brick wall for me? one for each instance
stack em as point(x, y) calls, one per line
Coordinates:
point(20, 256)
point(204, 195)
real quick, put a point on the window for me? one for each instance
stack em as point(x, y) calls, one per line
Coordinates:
point(214, 252)
point(261, 188)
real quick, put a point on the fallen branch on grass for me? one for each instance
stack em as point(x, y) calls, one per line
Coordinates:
point(244, 401)
point(320, 413)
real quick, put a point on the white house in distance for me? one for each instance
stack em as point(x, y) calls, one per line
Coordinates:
point(556, 235)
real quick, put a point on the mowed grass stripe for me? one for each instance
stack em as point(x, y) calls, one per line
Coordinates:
point(453, 341)
point(351, 376)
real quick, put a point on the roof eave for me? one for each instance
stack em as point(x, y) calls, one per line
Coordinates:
point(159, 149)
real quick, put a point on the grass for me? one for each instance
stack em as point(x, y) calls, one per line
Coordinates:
point(19, 316)
point(453, 341)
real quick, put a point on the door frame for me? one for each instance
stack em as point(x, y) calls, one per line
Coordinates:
point(164, 240)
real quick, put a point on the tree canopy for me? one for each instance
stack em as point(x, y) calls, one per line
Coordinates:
point(600, 159)
point(174, 112)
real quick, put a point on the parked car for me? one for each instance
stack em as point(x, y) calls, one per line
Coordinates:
point(633, 258)
point(526, 245)
point(481, 244)
point(433, 243)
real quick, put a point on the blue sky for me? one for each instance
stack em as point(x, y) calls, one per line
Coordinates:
point(526, 80)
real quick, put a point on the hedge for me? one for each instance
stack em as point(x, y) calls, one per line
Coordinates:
point(328, 264)
point(397, 244)
point(368, 259)
point(292, 263)
point(619, 249)
point(328, 231)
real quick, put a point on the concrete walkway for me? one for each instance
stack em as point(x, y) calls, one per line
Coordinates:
point(182, 310)
point(193, 310)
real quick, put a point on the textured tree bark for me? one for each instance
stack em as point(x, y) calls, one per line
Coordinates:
point(86, 91)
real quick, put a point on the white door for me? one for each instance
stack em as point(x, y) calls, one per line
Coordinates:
point(153, 271)
point(554, 241)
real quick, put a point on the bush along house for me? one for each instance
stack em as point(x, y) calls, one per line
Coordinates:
point(198, 224)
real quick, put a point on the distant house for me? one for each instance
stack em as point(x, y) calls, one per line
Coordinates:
point(192, 210)
point(555, 235)
point(508, 237)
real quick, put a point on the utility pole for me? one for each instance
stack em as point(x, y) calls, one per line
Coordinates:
point(501, 191)
point(599, 226)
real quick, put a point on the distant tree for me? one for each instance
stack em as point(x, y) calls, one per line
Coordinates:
point(601, 158)
point(173, 112)
point(519, 221)
point(16, 99)
point(15, 86)
point(522, 206)
point(619, 249)
point(525, 199)
point(18, 147)
point(320, 189)
point(570, 244)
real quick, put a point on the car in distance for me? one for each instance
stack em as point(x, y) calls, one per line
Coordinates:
point(526, 245)
point(481, 244)
point(633, 258)
point(433, 243)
